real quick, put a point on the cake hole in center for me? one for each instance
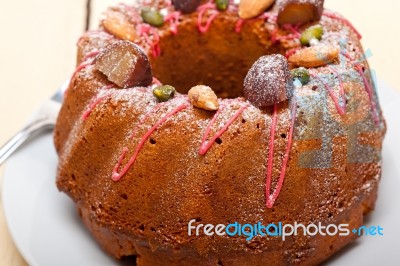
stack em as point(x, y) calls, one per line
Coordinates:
point(219, 58)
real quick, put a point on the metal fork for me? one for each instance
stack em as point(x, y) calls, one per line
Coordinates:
point(45, 119)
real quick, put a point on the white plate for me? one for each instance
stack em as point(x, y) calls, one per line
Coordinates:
point(47, 230)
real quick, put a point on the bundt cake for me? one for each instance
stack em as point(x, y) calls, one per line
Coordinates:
point(185, 117)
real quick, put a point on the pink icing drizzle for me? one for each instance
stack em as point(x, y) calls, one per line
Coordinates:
point(291, 52)
point(344, 21)
point(368, 88)
point(202, 10)
point(240, 22)
point(369, 92)
point(156, 81)
point(270, 199)
point(275, 38)
point(294, 29)
point(271, 153)
point(153, 110)
point(107, 87)
point(342, 93)
point(79, 68)
point(145, 30)
point(125, 149)
point(340, 109)
point(117, 176)
point(206, 145)
point(91, 55)
point(85, 62)
point(96, 102)
point(173, 19)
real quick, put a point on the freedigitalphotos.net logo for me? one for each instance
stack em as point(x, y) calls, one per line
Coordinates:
point(249, 231)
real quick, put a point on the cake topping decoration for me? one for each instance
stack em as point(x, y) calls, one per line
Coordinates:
point(212, 13)
point(119, 25)
point(342, 92)
point(310, 34)
point(125, 64)
point(222, 5)
point(301, 74)
point(206, 145)
point(341, 109)
point(253, 8)
point(299, 11)
point(152, 16)
point(271, 198)
point(173, 19)
point(314, 56)
point(359, 68)
point(95, 103)
point(268, 81)
point(186, 6)
point(203, 97)
point(164, 92)
point(151, 37)
point(116, 175)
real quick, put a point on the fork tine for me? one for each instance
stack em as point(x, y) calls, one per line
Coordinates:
point(59, 95)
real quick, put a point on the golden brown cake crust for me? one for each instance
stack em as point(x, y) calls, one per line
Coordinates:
point(332, 172)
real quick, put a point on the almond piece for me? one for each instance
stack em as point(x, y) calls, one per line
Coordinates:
point(253, 8)
point(118, 24)
point(314, 56)
point(299, 11)
point(203, 97)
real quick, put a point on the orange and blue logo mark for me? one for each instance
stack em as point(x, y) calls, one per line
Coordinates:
point(249, 231)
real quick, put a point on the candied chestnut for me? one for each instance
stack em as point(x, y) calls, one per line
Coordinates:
point(299, 11)
point(125, 64)
point(268, 81)
point(186, 6)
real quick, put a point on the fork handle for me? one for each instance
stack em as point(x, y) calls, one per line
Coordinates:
point(15, 142)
